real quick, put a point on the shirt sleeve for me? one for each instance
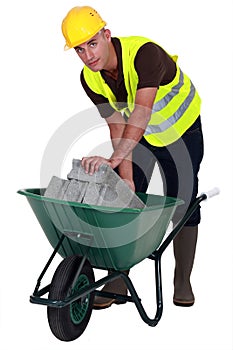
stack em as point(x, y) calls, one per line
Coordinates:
point(153, 66)
point(101, 102)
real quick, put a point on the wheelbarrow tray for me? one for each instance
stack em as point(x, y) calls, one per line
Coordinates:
point(116, 238)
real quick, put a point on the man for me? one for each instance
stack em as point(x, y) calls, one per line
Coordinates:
point(153, 113)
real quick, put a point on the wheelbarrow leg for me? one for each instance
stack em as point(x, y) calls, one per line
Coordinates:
point(159, 292)
point(159, 295)
point(47, 265)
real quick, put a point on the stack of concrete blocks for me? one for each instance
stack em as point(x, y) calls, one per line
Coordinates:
point(103, 188)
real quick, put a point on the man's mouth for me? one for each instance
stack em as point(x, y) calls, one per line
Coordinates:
point(93, 63)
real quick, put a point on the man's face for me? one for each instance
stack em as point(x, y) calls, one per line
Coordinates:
point(95, 52)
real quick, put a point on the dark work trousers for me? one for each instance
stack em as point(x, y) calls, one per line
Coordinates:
point(178, 163)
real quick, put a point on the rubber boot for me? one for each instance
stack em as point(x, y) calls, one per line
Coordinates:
point(184, 246)
point(117, 286)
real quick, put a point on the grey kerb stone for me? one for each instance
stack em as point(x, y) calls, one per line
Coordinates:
point(104, 188)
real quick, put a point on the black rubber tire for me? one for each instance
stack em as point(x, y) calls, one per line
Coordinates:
point(66, 323)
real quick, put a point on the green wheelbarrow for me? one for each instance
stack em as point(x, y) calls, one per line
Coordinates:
point(89, 237)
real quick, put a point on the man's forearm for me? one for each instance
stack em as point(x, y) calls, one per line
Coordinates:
point(132, 133)
point(125, 166)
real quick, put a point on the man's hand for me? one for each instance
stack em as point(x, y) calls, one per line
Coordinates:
point(92, 164)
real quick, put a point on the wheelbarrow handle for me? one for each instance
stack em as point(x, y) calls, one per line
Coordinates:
point(214, 192)
point(181, 223)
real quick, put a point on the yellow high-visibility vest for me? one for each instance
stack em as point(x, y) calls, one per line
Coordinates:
point(176, 106)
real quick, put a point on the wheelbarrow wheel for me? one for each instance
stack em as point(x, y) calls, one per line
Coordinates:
point(69, 322)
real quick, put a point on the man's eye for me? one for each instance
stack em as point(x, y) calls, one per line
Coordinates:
point(78, 50)
point(93, 44)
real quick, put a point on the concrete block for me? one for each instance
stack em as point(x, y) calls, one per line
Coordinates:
point(57, 188)
point(121, 196)
point(92, 194)
point(114, 192)
point(103, 188)
point(75, 191)
point(79, 174)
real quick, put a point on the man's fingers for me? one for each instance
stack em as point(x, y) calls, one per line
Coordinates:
point(92, 164)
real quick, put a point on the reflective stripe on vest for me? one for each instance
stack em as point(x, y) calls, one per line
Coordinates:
point(158, 106)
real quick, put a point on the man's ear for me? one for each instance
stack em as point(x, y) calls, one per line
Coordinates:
point(107, 34)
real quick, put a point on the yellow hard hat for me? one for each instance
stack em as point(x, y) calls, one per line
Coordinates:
point(81, 24)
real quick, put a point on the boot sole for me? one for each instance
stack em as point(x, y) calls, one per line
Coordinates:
point(183, 303)
point(107, 305)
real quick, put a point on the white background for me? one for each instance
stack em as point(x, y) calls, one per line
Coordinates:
point(40, 90)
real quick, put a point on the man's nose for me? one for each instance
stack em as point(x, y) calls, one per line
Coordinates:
point(89, 54)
